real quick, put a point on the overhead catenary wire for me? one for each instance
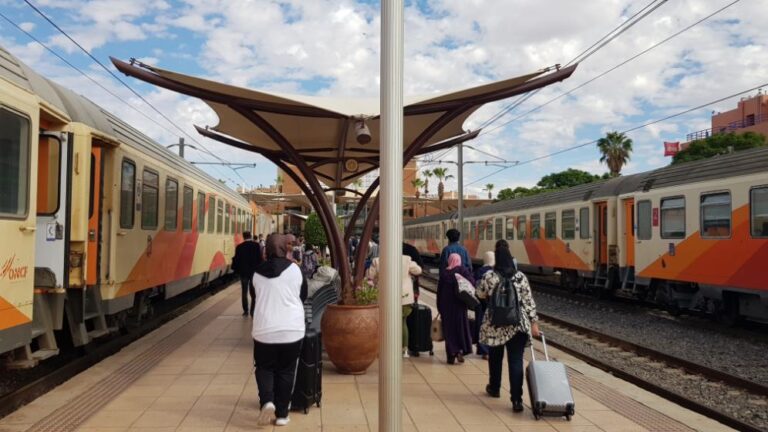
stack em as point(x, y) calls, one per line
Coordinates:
point(93, 80)
point(137, 94)
point(632, 129)
point(591, 50)
point(606, 72)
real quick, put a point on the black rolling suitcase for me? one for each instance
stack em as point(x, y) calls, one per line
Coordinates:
point(419, 324)
point(309, 375)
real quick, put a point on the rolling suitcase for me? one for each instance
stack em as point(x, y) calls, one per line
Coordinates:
point(307, 389)
point(548, 386)
point(419, 324)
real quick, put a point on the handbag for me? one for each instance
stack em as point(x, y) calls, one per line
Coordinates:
point(504, 306)
point(466, 292)
point(437, 329)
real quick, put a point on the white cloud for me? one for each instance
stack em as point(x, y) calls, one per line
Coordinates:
point(331, 47)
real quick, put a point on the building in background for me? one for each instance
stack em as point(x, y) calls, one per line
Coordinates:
point(750, 115)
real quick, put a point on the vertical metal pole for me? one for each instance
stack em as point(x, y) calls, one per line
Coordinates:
point(460, 179)
point(181, 147)
point(391, 221)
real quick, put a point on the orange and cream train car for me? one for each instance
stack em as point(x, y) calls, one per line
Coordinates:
point(97, 221)
point(689, 237)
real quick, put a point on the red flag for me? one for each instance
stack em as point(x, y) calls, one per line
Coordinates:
point(671, 148)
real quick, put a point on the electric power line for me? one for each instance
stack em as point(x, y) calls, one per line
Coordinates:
point(641, 53)
point(632, 129)
point(50, 21)
point(599, 44)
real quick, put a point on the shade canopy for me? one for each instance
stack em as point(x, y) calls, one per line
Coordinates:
point(324, 131)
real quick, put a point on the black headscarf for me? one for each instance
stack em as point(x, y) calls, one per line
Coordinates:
point(505, 264)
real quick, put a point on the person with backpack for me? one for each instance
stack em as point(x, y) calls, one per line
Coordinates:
point(509, 322)
point(489, 260)
point(308, 261)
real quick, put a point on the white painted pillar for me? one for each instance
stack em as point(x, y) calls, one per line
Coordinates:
point(391, 221)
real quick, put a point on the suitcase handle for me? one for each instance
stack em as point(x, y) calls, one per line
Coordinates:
point(543, 342)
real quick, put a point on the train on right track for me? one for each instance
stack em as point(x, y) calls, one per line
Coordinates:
point(689, 237)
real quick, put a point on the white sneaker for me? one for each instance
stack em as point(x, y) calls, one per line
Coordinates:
point(282, 421)
point(267, 414)
point(405, 354)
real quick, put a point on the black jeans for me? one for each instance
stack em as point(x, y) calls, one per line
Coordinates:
point(515, 349)
point(276, 373)
point(246, 284)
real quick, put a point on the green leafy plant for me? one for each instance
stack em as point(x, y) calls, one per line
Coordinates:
point(368, 294)
point(314, 232)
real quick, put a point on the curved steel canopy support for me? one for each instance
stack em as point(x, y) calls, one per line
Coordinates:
point(338, 251)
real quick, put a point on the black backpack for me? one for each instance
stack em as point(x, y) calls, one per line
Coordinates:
point(504, 305)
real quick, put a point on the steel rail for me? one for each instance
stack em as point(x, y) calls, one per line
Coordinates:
point(674, 362)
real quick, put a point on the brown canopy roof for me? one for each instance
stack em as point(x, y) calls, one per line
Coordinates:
point(322, 130)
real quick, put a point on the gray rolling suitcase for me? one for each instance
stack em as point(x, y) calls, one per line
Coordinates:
point(548, 387)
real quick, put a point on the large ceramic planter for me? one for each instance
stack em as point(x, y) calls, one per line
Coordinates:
point(351, 337)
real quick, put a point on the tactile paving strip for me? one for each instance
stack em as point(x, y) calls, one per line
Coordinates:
point(639, 413)
point(77, 411)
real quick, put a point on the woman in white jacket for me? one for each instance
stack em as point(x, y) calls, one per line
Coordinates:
point(278, 329)
point(410, 269)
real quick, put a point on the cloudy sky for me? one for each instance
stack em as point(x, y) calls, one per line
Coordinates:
point(324, 47)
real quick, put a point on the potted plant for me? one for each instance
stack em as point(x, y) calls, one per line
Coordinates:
point(351, 332)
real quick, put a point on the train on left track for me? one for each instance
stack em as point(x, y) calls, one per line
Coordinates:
point(97, 221)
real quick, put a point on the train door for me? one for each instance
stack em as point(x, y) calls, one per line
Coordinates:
point(52, 226)
point(601, 226)
point(629, 230)
point(95, 198)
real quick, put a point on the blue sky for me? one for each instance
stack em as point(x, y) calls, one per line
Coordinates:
point(331, 48)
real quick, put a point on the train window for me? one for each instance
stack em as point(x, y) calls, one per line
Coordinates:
point(758, 203)
point(219, 216)
point(568, 223)
point(171, 204)
point(150, 187)
point(186, 212)
point(535, 226)
point(499, 229)
point(211, 214)
point(200, 212)
point(584, 223)
point(227, 227)
point(48, 175)
point(14, 160)
point(465, 230)
point(673, 218)
point(644, 220)
point(127, 194)
point(473, 230)
point(550, 225)
point(715, 215)
point(521, 227)
point(483, 230)
point(510, 228)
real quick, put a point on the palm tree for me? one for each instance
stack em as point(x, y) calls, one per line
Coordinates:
point(441, 174)
point(417, 183)
point(615, 149)
point(489, 188)
point(427, 174)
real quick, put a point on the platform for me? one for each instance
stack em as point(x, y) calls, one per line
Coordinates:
point(195, 374)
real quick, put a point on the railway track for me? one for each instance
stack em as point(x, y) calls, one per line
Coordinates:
point(34, 383)
point(684, 382)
